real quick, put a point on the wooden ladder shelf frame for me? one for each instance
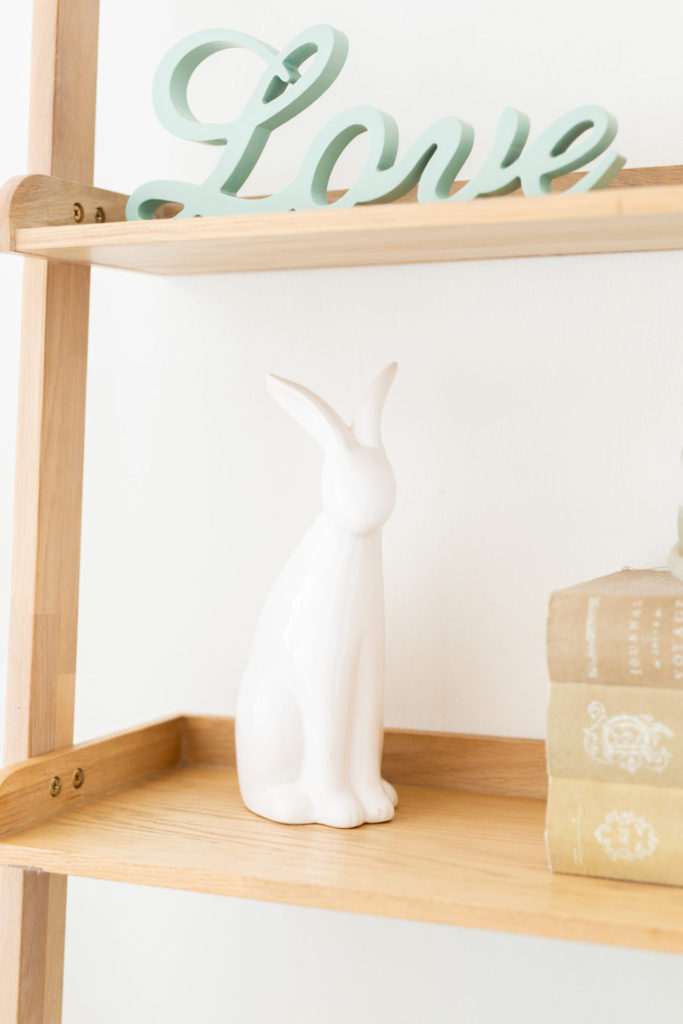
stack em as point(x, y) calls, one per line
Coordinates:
point(49, 479)
point(36, 212)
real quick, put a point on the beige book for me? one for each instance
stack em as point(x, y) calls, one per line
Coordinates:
point(621, 734)
point(609, 830)
point(623, 630)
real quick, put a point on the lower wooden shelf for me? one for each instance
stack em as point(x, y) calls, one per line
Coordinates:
point(160, 806)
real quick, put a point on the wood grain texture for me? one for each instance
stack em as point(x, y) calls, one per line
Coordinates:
point(108, 765)
point(209, 740)
point(456, 858)
point(628, 177)
point(499, 765)
point(35, 200)
point(472, 764)
point(44, 597)
point(47, 511)
point(32, 969)
point(63, 89)
point(614, 220)
point(461, 850)
point(43, 609)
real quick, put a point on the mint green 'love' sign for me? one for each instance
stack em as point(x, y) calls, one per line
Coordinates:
point(432, 163)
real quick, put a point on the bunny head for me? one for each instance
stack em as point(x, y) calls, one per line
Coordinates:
point(358, 483)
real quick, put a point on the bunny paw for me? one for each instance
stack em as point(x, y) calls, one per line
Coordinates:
point(378, 805)
point(288, 804)
point(340, 810)
point(390, 792)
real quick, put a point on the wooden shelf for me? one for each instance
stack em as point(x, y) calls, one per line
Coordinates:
point(622, 219)
point(472, 858)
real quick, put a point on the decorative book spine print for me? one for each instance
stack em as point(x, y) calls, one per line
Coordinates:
point(623, 831)
point(615, 728)
point(616, 734)
point(627, 638)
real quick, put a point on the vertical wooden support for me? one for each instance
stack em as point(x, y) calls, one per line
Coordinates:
point(47, 516)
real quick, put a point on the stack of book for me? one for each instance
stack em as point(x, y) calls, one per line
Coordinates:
point(615, 728)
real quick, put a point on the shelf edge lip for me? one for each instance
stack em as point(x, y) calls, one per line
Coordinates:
point(40, 200)
point(469, 764)
point(43, 787)
point(7, 770)
point(558, 208)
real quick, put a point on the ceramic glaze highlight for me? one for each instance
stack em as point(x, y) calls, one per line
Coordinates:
point(309, 722)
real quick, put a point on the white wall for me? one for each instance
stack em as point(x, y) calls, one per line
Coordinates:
point(534, 426)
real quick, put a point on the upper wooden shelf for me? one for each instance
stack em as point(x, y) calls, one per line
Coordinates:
point(160, 806)
point(634, 216)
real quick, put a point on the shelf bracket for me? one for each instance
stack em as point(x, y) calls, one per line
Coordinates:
point(86, 772)
point(39, 200)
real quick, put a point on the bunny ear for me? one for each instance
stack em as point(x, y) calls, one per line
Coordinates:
point(367, 423)
point(311, 411)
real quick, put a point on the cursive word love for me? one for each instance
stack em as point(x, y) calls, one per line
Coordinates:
point(432, 162)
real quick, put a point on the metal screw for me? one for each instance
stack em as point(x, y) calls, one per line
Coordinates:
point(99, 215)
point(79, 778)
point(78, 213)
point(56, 786)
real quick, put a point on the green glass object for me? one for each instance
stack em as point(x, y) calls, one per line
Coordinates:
point(433, 162)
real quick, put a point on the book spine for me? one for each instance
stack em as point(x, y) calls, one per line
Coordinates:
point(616, 639)
point(629, 832)
point(619, 734)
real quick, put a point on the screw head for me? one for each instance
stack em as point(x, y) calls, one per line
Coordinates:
point(55, 786)
point(78, 213)
point(79, 778)
point(99, 215)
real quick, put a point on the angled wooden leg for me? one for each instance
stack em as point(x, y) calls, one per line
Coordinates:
point(44, 613)
point(32, 968)
point(47, 515)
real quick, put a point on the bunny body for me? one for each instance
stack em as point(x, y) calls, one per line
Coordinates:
point(309, 723)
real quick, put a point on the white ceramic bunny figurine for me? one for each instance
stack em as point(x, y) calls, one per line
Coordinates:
point(309, 723)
